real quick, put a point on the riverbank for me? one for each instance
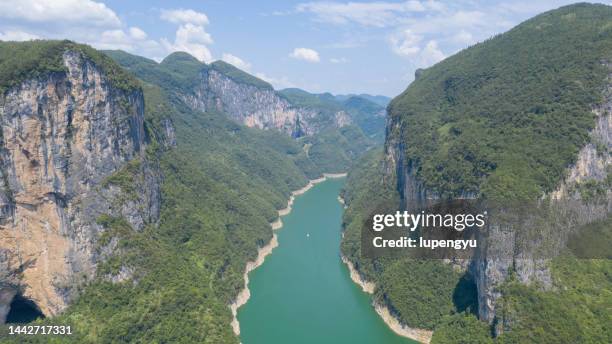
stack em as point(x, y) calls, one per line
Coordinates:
point(244, 295)
point(420, 335)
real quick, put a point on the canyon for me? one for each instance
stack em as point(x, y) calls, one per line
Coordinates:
point(63, 135)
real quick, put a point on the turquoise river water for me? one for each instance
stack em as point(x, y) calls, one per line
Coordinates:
point(303, 292)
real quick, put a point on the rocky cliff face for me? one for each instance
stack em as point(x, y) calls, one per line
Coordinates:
point(401, 169)
point(506, 249)
point(259, 107)
point(593, 164)
point(63, 135)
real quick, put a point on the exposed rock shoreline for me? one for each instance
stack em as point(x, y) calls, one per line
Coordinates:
point(420, 335)
point(244, 295)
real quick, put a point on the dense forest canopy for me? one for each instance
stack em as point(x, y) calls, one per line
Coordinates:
point(506, 117)
point(503, 119)
point(222, 185)
point(20, 61)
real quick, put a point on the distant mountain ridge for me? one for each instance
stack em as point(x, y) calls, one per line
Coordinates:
point(378, 99)
point(368, 115)
point(248, 99)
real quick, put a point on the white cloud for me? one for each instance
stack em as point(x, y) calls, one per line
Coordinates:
point(192, 39)
point(338, 60)
point(452, 22)
point(17, 36)
point(59, 12)
point(83, 21)
point(236, 61)
point(92, 22)
point(405, 43)
point(431, 54)
point(191, 36)
point(182, 16)
point(133, 40)
point(422, 31)
point(463, 37)
point(118, 36)
point(305, 54)
point(190, 33)
point(377, 13)
point(137, 33)
point(278, 83)
point(408, 44)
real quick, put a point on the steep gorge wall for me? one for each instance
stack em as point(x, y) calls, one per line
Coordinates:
point(259, 107)
point(506, 250)
point(593, 163)
point(63, 135)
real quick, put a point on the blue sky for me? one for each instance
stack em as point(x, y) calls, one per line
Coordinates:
point(336, 46)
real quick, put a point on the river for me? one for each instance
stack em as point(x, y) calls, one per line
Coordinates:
point(303, 292)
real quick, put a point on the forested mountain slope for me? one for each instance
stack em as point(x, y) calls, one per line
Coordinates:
point(167, 203)
point(368, 115)
point(522, 118)
point(324, 129)
point(250, 100)
point(380, 100)
point(70, 119)
point(508, 116)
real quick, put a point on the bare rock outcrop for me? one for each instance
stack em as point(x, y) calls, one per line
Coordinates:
point(63, 135)
point(508, 246)
point(259, 107)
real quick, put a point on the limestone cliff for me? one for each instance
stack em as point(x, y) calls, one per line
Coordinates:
point(593, 164)
point(506, 250)
point(258, 106)
point(63, 135)
point(223, 88)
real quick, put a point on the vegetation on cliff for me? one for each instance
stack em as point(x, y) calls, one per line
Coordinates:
point(430, 294)
point(366, 114)
point(335, 150)
point(421, 293)
point(369, 116)
point(380, 100)
point(503, 119)
point(222, 185)
point(332, 150)
point(20, 61)
point(506, 117)
point(322, 102)
point(238, 75)
point(575, 310)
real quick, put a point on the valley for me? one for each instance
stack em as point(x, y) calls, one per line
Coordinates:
point(303, 293)
point(187, 200)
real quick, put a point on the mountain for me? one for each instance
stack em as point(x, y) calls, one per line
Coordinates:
point(324, 102)
point(127, 211)
point(245, 98)
point(522, 124)
point(369, 116)
point(324, 130)
point(363, 113)
point(380, 100)
point(67, 110)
